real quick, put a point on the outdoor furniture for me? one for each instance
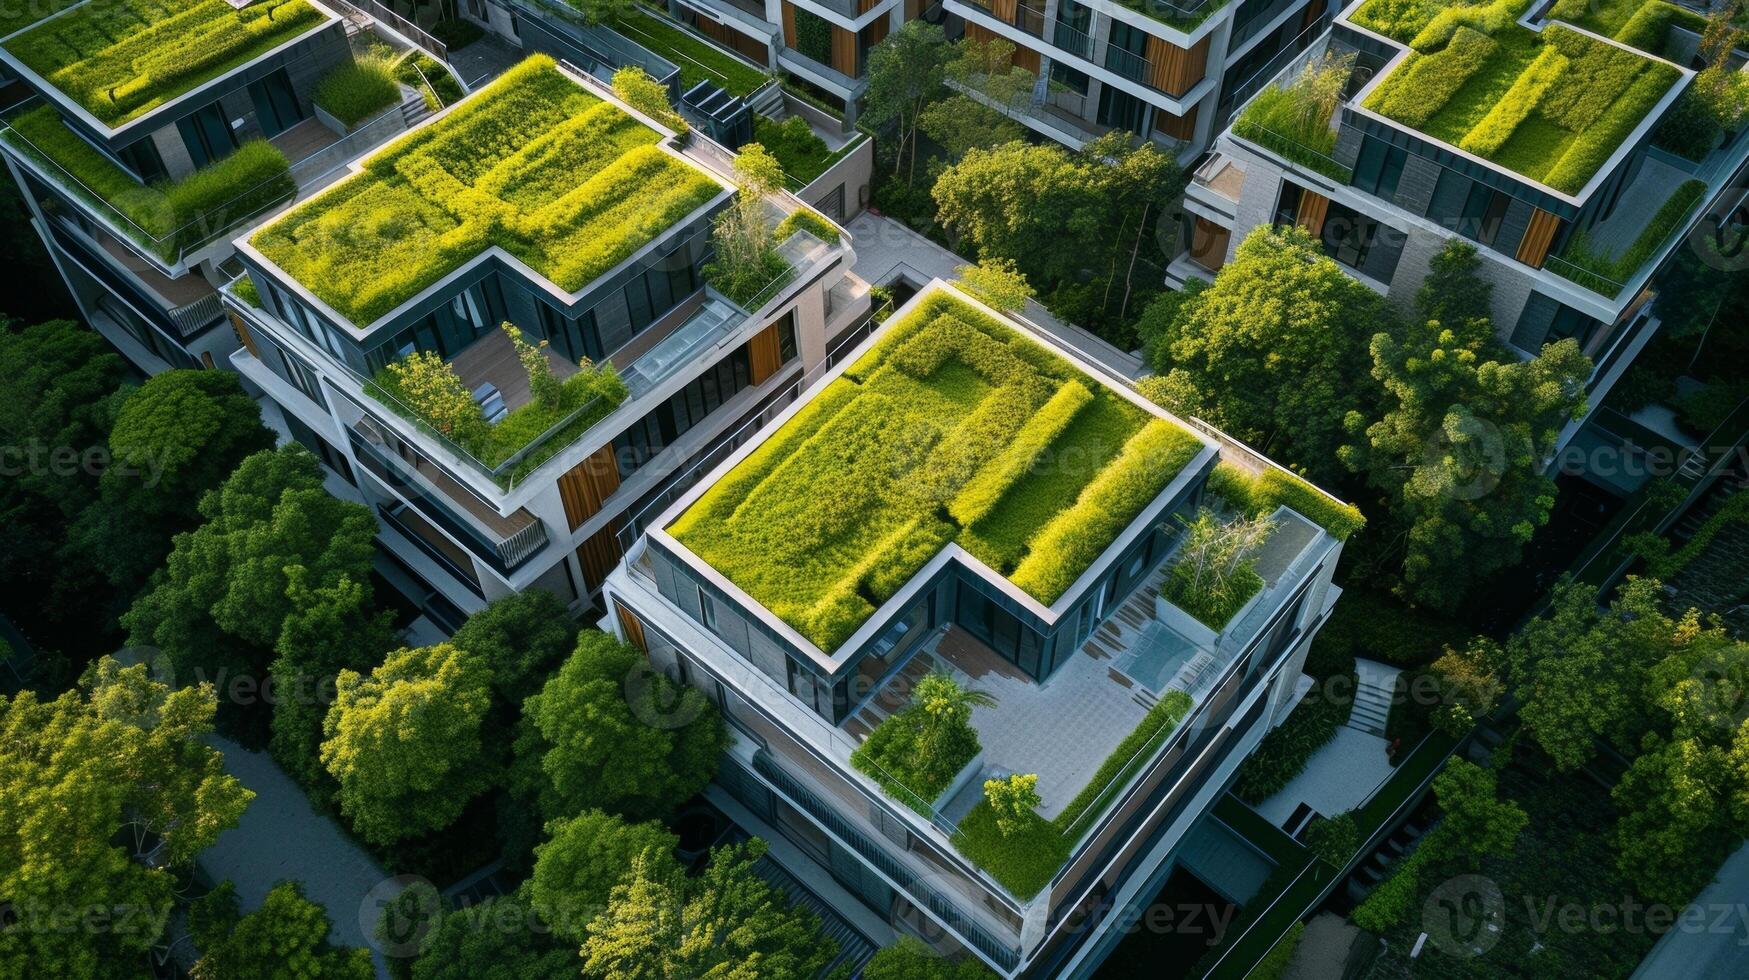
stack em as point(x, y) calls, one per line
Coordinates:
point(491, 401)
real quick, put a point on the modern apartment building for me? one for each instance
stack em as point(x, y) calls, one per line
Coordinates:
point(1529, 135)
point(959, 495)
point(152, 130)
point(540, 201)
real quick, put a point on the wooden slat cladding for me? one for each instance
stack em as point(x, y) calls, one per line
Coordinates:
point(1208, 244)
point(764, 356)
point(245, 336)
point(1004, 10)
point(1176, 70)
point(1533, 248)
point(585, 487)
point(1025, 58)
point(875, 32)
point(599, 554)
point(1178, 127)
point(633, 627)
point(789, 25)
point(1313, 207)
point(844, 50)
point(864, 6)
point(735, 40)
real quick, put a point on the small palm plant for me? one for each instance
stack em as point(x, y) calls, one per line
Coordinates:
point(947, 714)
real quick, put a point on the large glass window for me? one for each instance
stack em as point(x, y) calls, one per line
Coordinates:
point(207, 134)
point(1380, 167)
point(1122, 110)
point(648, 436)
point(276, 105)
point(142, 158)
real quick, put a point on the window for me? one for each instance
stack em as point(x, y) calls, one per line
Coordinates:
point(1380, 167)
point(1122, 110)
point(707, 610)
point(1069, 78)
point(647, 437)
point(1287, 207)
point(1348, 235)
point(1569, 322)
point(786, 337)
point(207, 134)
point(302, 378)
point(142, 158)
point(276, 106)
point(1484, 209)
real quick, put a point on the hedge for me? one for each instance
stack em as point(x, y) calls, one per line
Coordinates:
point(534, 164)
point(167, 217)
point(810, 221)
point(803, 155)
point(1129, 755)
point(1607, 276)
point(122, 58)
point(1258, 494)
point(848, 500)
point(1498, 125)
point(356, 92)
point(1422, 85)
point(890, 756)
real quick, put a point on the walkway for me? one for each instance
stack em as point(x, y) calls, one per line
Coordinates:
point(1713, 948)
point(887, 250)
point(1346, 771)
point(281, 836)
point(484, 60)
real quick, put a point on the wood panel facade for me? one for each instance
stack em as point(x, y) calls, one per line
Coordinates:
point(1176, 70)
point(1313, 208)
point(584, 488)
point(1533, 248)
point(764, 354)
point(599, 554)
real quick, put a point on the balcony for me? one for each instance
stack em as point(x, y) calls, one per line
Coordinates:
point(1028, 18)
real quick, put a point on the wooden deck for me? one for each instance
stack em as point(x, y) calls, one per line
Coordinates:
point(493, 359)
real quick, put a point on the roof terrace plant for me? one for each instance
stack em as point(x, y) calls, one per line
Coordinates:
point(1552, 106)
point(1214, 573)
point(915, 753)
point(534, 163)
point(952, 428)
point(119, 59)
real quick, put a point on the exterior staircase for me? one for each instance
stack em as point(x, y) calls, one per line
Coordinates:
point(854, 949)
point(1375, 686)
point(767, 101)
point(414, 109)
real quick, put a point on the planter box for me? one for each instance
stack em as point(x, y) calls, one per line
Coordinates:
point(967, 774)
point(1183, 623)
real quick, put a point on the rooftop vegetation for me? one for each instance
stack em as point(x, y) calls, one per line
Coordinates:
point(17, 17)
point(1297, 120)
point(166, 217)
point(534, 163)
point(355, 92)
point(952, 428)
point(698, 59)
point(121, 58)
point(916, 752)
point(1182, 14)
point(1640, 23)
point(1259, 493)
point(1214, 572)
point(1551, 106)
point(1606, 273)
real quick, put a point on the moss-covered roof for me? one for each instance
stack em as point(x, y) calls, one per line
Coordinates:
point(118, 59)
point(534, 163)
point(1552, 105)
point(953, 427)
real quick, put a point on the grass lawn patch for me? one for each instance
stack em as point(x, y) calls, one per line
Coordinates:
point(803, 155)
point(856, 492)
point(1550, 105)
point(697, 58)
point(1258, 494)
point(17, 17)
point(121, 58)
point(168, 216)
point(533, 163)
point(356, 92)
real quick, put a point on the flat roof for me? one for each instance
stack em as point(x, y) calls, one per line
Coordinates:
point(1552, 105)
point(953, 427)
point(566, 182)
point(119, 59)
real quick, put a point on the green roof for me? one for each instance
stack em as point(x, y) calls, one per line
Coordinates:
point(953, 427)
point(534, 163)
point(1551, 105)
point(119, 59)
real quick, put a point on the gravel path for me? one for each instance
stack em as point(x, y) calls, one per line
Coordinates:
point(282, 836)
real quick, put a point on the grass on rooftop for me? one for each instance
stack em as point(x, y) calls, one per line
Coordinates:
point(952, 428)
point(1551, 106)
point(534, 163)
point(698, 59)
point(121, 58)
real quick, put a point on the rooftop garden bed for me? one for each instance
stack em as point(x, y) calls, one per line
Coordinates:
point(1256, 494)
point(17, 17)
point(1297, 120)
point(915, 753)
point(1607, 275)
point(356, 92)
point(1552, 106)
point(424, 389)
point(534, 163)
point(1026, 857)
point(167, 217)
point(119, 59)
point(697, 58)
point(1182, 14)
point(1644, 24)
point(803, 155)
point(952, 428)
point(1214, 572)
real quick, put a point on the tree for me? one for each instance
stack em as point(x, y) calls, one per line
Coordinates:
point(1454, 291)
point(609, 732)
point(1031, 204)
point(405, 743)
point(998, 283)
point(1467, 427)
point(429, 387)
point(522, 637)
point(1581, 672)
point(947, 712)
point(585, 857)
point(959, 122)
point(330, 628)
point(218, 607)
point(1137, 183)
point(1012, 799)
point(175, 437)
point(285, 939)
point(1476, 821)
point(906, 73)
point(501, 938)
point(909, 959)
point(542, 383)
point(1684, 803)
point(1468, 687)
point(1275, 351)
point(109, 793)
point(729, 922)
point(746, 260)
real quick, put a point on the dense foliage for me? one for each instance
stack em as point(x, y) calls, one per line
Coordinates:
point(285, 939)
point(356, 92)
point(915, 753)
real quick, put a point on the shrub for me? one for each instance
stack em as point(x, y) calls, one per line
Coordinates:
point(637, 89)
point(1287, 748)
point(803, 155)
point(1391, 902)
point(1123, 762)
point(1468, 688)
point(246, 291)
point(1069, 543)
point(1334, 839)
point(425, 383)
point(1689, 129)
point(1296, 121)
point(1213, 574)
point(998, 282)
point(358, 91)
point(915, 753)
point(1011, 799)
point(810, 221)
point(1023, 861)
point(1274, 964)
point(1608, 276)
point(1261, 493)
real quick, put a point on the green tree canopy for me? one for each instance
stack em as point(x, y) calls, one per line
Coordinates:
point(609, 732)
point(522, 637)
point(576, 870)
point(405, 743)
point(906, 72)
point(285, 939)
point(1467, 427)
point(501, 938)
point(727, 923)
point(60, 388)
point(1275, 350)
point(87, 782)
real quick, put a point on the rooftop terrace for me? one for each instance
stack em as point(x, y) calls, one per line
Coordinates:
point(118, 59)
point(952, 428)
point(536, 164)
point(1552, 105)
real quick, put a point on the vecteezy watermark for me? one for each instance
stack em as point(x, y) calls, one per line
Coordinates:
point(1463, 917)
point(84, 920)
point(37, 458)
point(398, 915)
